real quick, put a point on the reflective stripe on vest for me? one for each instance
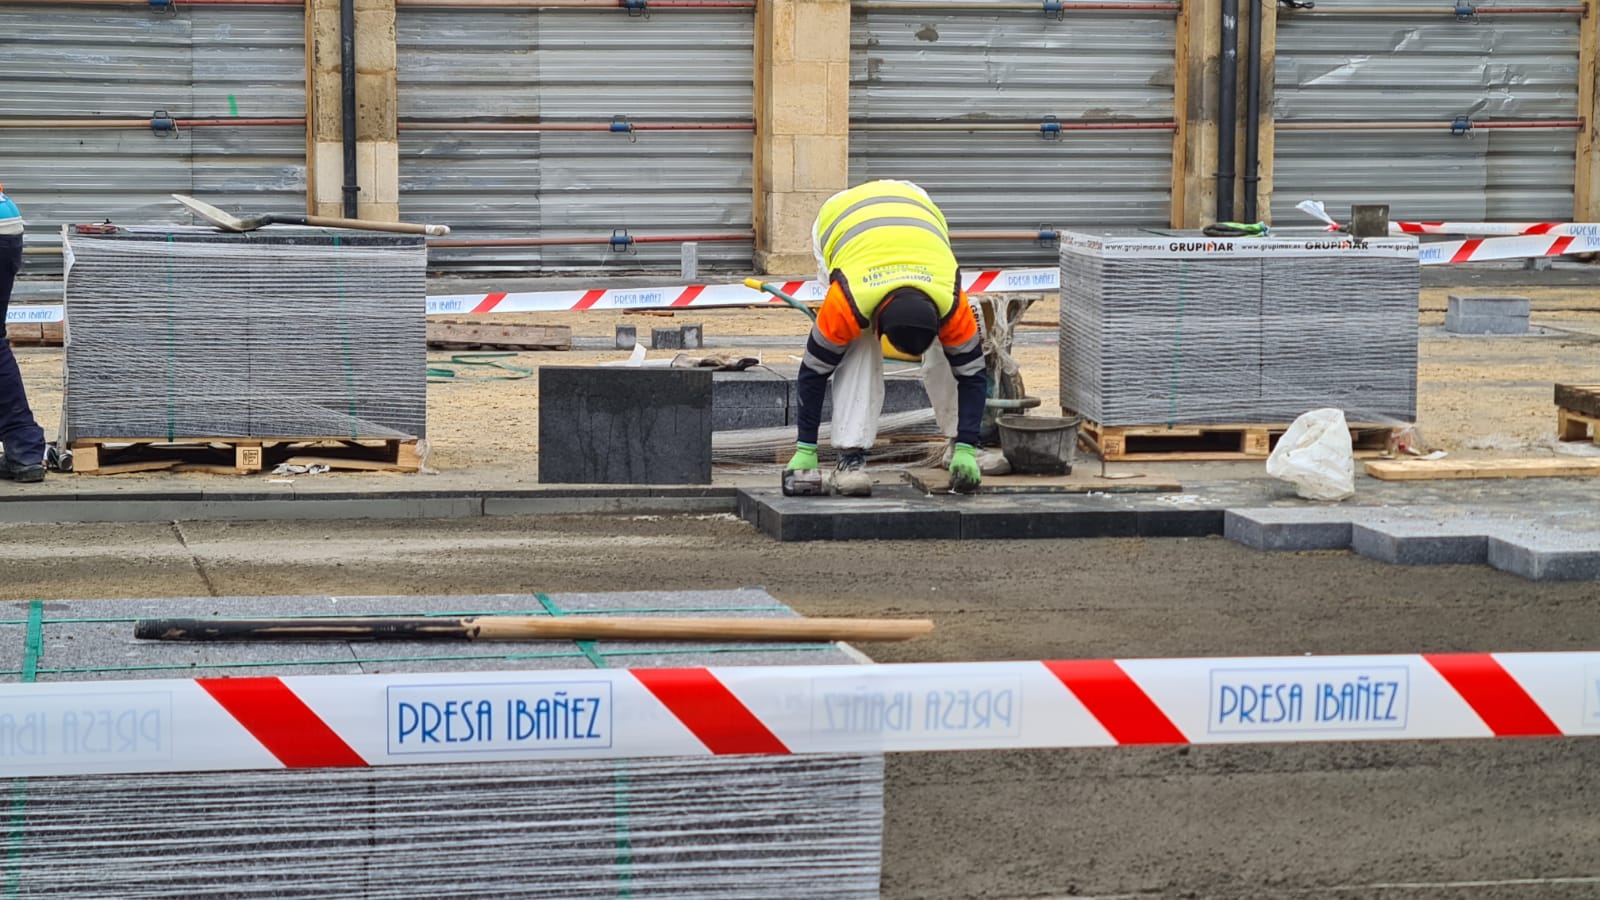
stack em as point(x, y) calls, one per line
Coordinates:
point(883, 237)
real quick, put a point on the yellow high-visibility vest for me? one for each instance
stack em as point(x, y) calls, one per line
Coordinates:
point(884, 236)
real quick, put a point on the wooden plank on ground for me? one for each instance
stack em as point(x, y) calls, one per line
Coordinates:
point(1459, 469)
point(1083, 480)
point(468, 335)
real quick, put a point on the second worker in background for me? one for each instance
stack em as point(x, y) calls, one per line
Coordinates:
point(884, 249)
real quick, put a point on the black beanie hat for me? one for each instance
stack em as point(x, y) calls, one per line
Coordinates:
point(909, 320)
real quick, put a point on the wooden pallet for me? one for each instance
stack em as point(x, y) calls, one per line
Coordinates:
point(35, 334)
point(1578, 412)
point(1219, 443)
point(234, 456)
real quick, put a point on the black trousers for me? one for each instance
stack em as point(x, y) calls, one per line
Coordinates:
point(22, 436)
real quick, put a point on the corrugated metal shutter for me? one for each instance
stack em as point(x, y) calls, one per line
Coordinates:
point(202, 62)
point(578, 66)
point(1427, 67)
point(923, 66)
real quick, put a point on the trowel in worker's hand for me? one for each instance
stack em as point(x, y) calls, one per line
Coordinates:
point(229, 222)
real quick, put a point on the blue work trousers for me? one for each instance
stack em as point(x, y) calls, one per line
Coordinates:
point(21, 435)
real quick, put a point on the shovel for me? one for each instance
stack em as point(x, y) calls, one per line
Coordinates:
point(229, 222)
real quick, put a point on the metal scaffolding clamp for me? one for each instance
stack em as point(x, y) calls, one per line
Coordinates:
point(162, 123)
point(1050, 128)
point(1466, 12)
point(1461, 126)
point(1057, 7)
point(621, 240)
point(1048, 236)
point(621, 125)
point(637, 8)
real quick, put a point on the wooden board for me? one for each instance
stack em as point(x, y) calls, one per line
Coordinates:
point(35, 334)
point(1451, 469)
point(1215, 443)
point(489, 336)
point(1081, 481)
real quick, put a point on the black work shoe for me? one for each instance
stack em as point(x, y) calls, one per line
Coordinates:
point(11, 471)
point(849, 478)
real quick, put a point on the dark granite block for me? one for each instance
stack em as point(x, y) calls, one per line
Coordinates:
point(1550, 557)
point(1180, 522)
point(735, 418)
point(1485, 324)
point(894, 520)
point(1289, 528)
point(624, 426)
point(1421, 542)
point(693, 337)
point(666, 338)
point(1023, 523)
point(627, 336)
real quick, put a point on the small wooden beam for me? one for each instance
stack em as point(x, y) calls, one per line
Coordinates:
point(529, 628)
point(1451, 469)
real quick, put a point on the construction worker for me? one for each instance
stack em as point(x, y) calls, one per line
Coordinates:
point(23, 439)
point(884, 249)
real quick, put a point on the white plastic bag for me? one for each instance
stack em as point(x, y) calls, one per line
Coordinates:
point(1316, 457)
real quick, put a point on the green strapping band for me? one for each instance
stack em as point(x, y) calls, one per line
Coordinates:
point(32, 648)
point(620, 802)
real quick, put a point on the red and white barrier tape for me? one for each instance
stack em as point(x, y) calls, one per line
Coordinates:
point(1496, 229)
point(701, 296)
point(1484, 249)
point(1559, 239)
point(217, 724)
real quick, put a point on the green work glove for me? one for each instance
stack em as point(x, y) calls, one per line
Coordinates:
point(805, 456)
point(964, 474)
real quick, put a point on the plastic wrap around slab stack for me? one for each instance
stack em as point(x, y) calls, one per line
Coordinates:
point(279, 333)
point(773, 827)
point(1188, 330)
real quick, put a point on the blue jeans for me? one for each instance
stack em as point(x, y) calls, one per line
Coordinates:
point(22, 436)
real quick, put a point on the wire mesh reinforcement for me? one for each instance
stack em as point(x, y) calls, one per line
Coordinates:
point(279, 333)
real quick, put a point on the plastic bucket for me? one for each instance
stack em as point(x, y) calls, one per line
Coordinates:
point(1039, 445)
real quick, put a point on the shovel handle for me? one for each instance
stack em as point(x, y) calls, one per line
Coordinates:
point(363, 224)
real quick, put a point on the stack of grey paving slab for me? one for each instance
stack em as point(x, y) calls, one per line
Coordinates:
point(704, 827)
point(278, 333)
point(1182, 329)
point(1486, 315)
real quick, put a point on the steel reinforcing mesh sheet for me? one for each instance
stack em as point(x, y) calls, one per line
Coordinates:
point(1164, 331)
point(284, 332)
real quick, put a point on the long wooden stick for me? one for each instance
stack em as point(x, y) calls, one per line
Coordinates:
point(529, 628)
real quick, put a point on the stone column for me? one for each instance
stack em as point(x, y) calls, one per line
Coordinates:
point(802, 153)
point(377, 145)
